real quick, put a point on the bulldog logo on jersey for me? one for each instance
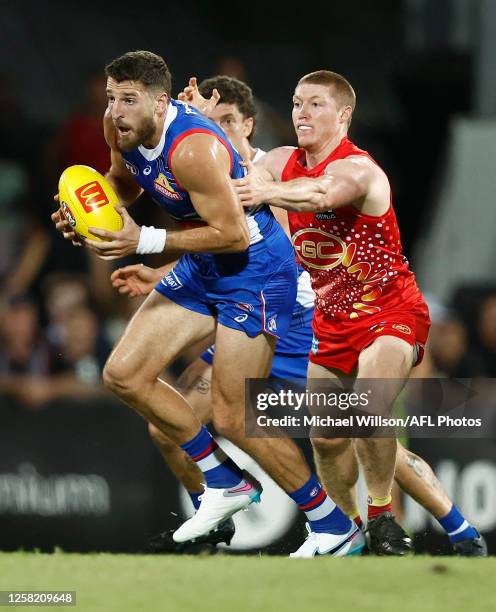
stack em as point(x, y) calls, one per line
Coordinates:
point(163, 186)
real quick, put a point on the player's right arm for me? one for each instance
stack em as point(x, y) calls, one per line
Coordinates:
point(202, 166)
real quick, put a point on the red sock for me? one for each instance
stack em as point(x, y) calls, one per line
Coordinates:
point(378, 505)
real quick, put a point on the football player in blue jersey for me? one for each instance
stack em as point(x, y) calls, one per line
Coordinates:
point(235, 112)
point(229, 102)
point(236, 278)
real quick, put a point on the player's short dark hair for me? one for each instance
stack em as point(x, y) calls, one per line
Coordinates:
point(144, 66)
point(341, 89)
point(232, 91)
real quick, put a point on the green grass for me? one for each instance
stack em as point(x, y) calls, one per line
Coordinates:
point(226, 583)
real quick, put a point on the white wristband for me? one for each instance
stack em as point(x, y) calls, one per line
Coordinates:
point(151, 240)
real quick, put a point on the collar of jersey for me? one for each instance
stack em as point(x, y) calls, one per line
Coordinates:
point(151, 154)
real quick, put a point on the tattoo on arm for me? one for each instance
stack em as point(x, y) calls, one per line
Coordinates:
point(202, 385)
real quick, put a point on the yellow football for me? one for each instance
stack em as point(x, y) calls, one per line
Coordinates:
point(87, 199)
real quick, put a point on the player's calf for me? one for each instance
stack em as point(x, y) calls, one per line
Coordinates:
point(337, 468)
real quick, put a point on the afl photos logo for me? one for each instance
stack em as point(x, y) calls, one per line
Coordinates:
point(318, 249)
point(91, 196)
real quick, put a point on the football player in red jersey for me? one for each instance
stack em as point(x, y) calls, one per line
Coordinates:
point(371, 321)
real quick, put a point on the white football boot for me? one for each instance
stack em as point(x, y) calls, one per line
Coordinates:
point(333, 544)
point(217, 505)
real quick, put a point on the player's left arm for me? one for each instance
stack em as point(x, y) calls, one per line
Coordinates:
point(345, 181)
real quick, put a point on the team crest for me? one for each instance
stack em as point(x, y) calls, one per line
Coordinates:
point(163, 186)
point(272, 324)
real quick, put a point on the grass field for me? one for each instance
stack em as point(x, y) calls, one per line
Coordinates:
point(226, 583)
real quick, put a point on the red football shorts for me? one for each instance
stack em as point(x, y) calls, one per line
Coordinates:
point(338, 344)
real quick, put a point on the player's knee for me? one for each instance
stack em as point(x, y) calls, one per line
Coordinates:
point(330, 447)
point(119, 380)
point(387, 354)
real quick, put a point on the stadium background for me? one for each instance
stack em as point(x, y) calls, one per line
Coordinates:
point(76, 468)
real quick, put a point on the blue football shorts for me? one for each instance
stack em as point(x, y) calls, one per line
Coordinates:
point(291, 354)
point(253, 291)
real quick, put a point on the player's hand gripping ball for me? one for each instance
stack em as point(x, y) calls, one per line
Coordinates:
point(87, 199)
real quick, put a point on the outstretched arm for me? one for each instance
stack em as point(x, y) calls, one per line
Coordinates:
point(344, 182)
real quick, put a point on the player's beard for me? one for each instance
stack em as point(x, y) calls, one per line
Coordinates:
point(136, 137)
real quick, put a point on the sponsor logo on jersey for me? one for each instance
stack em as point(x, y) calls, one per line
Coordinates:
point(244, 306)
point(67, 212)
point(318, 249)
point(325, 216)
point(241, 318)
point(404, 329)
point(163, 186)
point(172, 281)
point(132, 168)
point(91, 196)
point(315, 345)
point(147, 170)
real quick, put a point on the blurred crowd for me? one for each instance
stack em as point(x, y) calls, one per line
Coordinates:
point(59, 315)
